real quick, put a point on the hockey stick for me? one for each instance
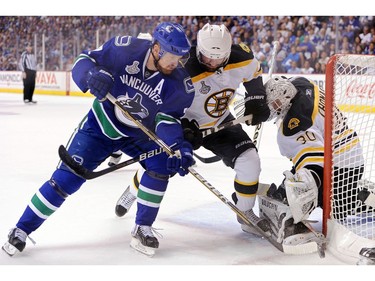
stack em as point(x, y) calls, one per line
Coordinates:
point(170, 152)
point(82, 172)
point(215, 129)
point(207, 160)
point(259, 128)
point(228, 124)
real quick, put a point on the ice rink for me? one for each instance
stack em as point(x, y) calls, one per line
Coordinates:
point(197, 228)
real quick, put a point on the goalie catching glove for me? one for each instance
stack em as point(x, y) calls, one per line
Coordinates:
point(181, 160)
point(301, 192)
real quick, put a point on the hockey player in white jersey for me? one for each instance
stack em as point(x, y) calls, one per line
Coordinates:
point(217, 68)
point(297, 105)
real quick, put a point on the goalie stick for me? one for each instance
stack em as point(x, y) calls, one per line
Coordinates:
point(253, 221)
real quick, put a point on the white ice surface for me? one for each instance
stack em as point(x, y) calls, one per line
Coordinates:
point(197, 228)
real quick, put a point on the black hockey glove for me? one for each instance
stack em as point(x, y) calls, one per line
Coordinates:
point(100, 82)
point(192, 133)
point(257, 106)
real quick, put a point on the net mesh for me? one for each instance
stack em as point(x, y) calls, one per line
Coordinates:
point(353, 142)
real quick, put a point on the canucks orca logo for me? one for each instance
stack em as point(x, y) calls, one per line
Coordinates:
point(134, 107)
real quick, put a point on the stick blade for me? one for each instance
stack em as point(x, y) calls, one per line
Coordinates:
point(74, 166)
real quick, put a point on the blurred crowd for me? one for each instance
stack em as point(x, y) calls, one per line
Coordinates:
point(306, 42)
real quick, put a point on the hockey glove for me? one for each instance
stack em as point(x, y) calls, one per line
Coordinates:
point(182, 160)
point(100, 82)
point(192, 133)
point(258, 107)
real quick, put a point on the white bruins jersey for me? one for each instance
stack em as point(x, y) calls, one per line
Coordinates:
point(301, 132)
point(214, 91)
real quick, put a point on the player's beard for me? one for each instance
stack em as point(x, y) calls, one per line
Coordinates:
point(164, 70)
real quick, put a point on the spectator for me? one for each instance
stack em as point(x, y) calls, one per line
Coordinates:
point(294, 69)
point(323, 57)
point(292, 56)
point(349, 33)
point(314, 58)
point(67, 36)
point(346, 46)
point(323, 68)
point(317, 68)
point(307, 69)
point(306, 47)
point(370, 49)
point(358, 50)
point(365, 36)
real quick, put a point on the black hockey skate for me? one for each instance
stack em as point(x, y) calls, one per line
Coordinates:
point(16, 241)
point(143, 240)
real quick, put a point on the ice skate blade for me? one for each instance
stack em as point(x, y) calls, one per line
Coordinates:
point(137, 245)
point(9, 249)
point(251, 230)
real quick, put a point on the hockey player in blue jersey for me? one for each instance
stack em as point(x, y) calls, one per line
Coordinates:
point(217, 68)
point(148, 77)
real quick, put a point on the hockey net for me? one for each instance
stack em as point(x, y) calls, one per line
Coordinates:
point(348, 223)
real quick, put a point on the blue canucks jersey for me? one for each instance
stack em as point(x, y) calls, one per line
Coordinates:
point(157, 100)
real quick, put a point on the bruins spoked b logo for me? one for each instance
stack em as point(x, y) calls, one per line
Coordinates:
point(217, 103)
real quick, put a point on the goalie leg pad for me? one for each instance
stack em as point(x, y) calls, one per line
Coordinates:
point(297, 239)
point(302, 193)
point(278, 215)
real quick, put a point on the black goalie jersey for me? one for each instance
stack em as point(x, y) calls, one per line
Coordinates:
point(301, 132)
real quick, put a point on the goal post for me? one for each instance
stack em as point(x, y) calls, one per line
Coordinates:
point(349, 153)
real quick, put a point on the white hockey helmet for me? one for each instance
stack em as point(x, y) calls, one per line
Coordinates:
point(214, 42)
point(280, 91)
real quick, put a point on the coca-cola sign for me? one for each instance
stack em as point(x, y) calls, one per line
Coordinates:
point(359, 89)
